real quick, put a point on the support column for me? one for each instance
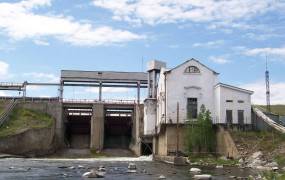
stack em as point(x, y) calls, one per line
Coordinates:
point(97, 128)
point(100, 91)
point(139, 92)
point(61, 91)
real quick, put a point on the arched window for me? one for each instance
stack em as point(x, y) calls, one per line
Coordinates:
point(192, 69)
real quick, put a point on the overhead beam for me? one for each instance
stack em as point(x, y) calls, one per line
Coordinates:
point(105, 85)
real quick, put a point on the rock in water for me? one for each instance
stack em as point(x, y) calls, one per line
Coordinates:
point(195, 170)
point(203, 177)
point(94, 174)
point(102, 169)
point(80, 167)
point(132, 166)
point(161, 177)
point(220, 167)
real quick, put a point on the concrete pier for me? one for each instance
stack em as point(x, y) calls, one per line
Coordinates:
point(97, 127)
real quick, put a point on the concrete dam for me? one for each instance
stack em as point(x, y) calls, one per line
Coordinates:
point(97, 124)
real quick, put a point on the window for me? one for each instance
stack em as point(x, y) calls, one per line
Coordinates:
point(230, 101)
point(192, 69)
point(240, 117)
point(192, 108)
point(240, 101)
point(229, 116)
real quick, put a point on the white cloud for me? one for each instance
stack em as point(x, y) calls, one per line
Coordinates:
point(169, 11)
point(19, 21)
point(261, 36)
point(108, 90)
point(41, 42)
point(209, 44)
point(259, 97)
point(278, 52)
point(42, 77)
point(4, 68)
point(219, 59)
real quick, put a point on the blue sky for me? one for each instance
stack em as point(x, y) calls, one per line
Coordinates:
point(38, 38)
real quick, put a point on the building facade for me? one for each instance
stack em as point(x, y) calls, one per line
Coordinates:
point(189, 86)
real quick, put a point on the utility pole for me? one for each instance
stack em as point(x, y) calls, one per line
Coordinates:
point(177, 131)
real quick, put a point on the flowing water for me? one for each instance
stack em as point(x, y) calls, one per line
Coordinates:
point(49, 169)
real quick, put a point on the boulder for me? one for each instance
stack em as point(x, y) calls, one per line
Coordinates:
point(273, 164)
point(203, 177)
point(195, 170)
point(275, 168)
point(132, 166)
point(161, 177)
point(219, 166)
point(256, 155)
point(263, 168)
point(102, 169)
point(94, 174)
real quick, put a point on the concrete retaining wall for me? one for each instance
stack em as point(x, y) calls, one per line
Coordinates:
point(37, 142)
point(33, 142)
point(55, 110)
point(225, 144)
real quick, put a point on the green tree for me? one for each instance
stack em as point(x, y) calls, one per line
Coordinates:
point(200, 133)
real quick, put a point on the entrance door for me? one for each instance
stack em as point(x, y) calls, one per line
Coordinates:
point(229, 116)
point(240, 117)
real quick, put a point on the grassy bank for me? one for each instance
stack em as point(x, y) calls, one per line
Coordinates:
point(276, 109)
point(272, 144)
point(23, 119)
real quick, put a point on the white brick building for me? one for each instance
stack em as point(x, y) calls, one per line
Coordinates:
point(191, 84)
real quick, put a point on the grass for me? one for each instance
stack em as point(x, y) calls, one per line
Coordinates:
point(23, 119)
point(280, 159)
point(276, 109)
point(273, 176)
point(265, 140)
point(210, 159)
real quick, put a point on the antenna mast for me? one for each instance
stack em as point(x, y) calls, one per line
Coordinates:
point(267, 87)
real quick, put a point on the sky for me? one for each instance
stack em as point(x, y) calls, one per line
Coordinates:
point(38, 38)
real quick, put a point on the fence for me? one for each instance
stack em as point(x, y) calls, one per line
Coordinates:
point(7, 111)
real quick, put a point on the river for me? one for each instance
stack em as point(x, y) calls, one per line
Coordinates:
point(49, 169)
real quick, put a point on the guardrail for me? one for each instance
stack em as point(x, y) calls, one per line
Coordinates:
point(7, 111)
point(77, 101)
point(29, 99)
point(10, 84)
point(107, 101)
point(269, 121)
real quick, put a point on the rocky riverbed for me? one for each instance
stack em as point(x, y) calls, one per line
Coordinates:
point(116, 168)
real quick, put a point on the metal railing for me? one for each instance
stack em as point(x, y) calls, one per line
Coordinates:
point(10, 84)
point(30, 99)
point(107, 101)
point(269, 121)
point(7, 111)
